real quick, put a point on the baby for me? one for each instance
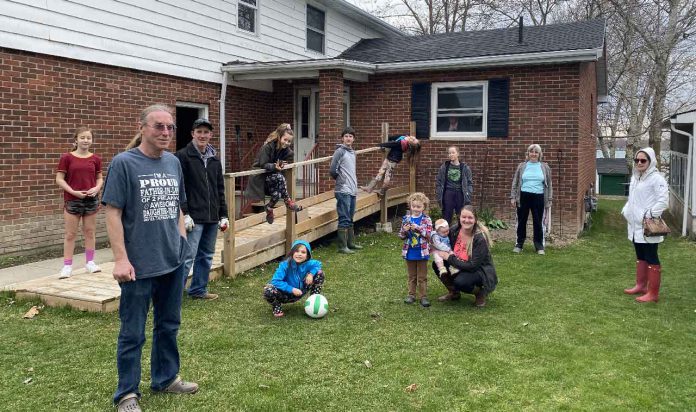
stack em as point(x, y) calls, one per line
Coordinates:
point(442, 246)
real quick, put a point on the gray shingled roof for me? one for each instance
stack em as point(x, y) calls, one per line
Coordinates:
point(612, 166)
point(588, 34)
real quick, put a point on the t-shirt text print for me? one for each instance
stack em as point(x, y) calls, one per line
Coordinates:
point(159, 194)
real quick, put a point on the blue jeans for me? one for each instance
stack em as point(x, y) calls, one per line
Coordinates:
point(201, 240)
point(345, 207)
point(165, 292)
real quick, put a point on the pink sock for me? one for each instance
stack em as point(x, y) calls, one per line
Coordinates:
point(67, 262)
point(89, 255)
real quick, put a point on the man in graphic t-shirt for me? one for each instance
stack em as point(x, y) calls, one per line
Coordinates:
point(143, 192)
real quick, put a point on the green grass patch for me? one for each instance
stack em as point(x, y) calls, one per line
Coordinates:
point(557, 334)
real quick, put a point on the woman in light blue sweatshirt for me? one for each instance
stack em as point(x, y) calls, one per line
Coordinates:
point(295, 276)
point(532, 191)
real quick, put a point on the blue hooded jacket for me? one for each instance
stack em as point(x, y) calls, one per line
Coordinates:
point(290, 275)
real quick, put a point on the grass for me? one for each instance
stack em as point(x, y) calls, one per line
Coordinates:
point(558, 334)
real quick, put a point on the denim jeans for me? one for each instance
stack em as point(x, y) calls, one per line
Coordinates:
point(165, 291)
point(201, 240)
point(345, 207)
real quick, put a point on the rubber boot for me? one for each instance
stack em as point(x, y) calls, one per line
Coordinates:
point(291, 205)
point(641, 286)
point(654, 278)
point(383, 190)
point(269, 214)
point(370, 186)
point(350, 240)
point(452, 293)
point(342, 240)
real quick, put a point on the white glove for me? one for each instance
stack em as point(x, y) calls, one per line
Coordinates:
point(188, 223)
point(223, 224)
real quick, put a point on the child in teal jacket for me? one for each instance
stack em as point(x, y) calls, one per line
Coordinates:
point(295, 276)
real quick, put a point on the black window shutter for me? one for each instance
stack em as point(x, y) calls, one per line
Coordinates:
point(498, 107)
point(420, 109)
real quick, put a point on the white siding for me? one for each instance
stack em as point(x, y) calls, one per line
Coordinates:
point(179, 37)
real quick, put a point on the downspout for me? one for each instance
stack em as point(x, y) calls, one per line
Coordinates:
point(689, 177)
point(223, 95)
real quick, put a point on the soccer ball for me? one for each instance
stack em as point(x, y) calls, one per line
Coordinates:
point(316, 306)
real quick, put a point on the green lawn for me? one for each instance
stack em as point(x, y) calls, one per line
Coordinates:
point(557, 334)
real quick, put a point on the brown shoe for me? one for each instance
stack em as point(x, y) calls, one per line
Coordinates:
point(206, 296)
point(180, 386)
point(480, 298)
point(450, 296)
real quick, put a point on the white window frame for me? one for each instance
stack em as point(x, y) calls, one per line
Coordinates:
point(471, 136)
point(241, 3)
point(202, 108)
point(307, 27)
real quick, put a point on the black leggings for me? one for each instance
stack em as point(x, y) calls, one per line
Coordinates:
point(647, 252)
point(276, 188)
point(463, 281)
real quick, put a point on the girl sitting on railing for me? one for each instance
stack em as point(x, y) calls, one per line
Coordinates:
point(274, 154)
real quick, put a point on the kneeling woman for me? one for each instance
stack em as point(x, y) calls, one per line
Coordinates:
point(471, 255)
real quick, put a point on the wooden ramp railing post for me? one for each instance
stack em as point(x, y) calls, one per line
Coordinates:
point(228, 255)
point(383, 225)
point(412, 164)
point(290, 229)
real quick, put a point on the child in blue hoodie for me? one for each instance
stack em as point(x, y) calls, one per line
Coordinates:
point(295, 276)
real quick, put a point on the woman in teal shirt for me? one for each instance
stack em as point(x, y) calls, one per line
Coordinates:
point(531, 191)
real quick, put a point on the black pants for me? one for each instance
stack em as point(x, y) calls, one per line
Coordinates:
point(535, 203)
point(647, 252)
point(461, 282)
point(276, 188)
point(276, 297)
point(452, 203)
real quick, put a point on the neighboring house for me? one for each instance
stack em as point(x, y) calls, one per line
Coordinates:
point(318, 64)
point(613, 177)
point(99, 63)
point(682, 179)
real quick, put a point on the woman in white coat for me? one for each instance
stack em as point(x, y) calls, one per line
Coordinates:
point(647, 196)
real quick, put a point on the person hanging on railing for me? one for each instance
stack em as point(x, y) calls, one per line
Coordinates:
point(272, 157)
point(343, 170)
point(396, 148)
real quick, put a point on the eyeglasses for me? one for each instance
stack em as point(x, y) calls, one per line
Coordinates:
point(161, 126)
point(640, 161)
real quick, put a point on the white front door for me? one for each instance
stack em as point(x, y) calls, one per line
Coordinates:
point(306, 125)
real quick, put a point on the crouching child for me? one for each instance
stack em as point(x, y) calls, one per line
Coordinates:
point(296, 275)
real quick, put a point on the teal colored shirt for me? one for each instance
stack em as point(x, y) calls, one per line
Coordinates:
point(533, 178)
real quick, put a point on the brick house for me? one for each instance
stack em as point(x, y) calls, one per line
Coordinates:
point(330, 65)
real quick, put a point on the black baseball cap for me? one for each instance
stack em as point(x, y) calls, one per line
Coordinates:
point(202, 122)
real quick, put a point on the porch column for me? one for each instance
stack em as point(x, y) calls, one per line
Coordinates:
point(330, 120)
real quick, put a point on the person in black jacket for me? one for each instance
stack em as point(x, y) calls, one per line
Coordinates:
point(454, 185)
point(205, 210)
point(272, 157)
point(472, 256)
point(396, 148)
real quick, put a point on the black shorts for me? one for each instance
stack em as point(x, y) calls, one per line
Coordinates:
point(82, 207)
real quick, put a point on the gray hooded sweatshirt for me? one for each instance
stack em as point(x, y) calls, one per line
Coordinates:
point(343, 170)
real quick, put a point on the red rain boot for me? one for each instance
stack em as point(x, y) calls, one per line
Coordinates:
point(654, 277)
point(641, 286)
point(291, 205)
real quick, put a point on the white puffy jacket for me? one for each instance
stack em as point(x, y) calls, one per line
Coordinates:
point(647, 195)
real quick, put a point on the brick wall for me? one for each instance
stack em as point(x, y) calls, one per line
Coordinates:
point(544, 109)
point(44, 98)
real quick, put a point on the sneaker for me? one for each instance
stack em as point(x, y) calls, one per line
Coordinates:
point(517, 249)
point(453, 270)
point(128, 403)
point(180, 386)
point(279, 314)
point(425, 302)
point(443, 270)
point(410, 299)
point(92, 267)
point(66, 272)
point(541, 252)
point(206, 296)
